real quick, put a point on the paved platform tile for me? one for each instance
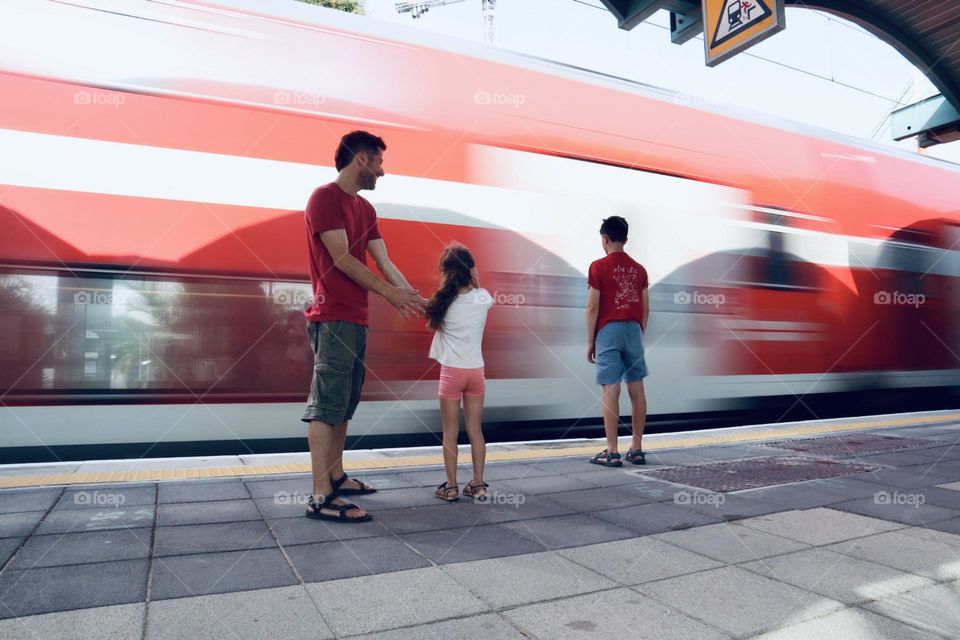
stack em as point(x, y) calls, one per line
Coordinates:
point(569, 531)
point(889, 505)
point(259, 488)
point(207, 538)
point(303, 530)
point(464, 513)
point(17, 500)
point(840, 577)
point(471, 543)
point(611, 477)
point(284, 612)
point(600, 498)
point(207, 512)
point(118, 622)
point(949, 526)
point(849, 624)
point(523, 579)
point(15, 525)
point(80, 520)
point(101, 497)
point(760, 604)
point(77, 548)
point(731, 543)
point(819, 526)
point(510, 509)
point(486, 626)
point(371, 603)
point(201, 491)
point(648, 519)
point(7, 548)
point(932, 609)
point(618, 613)
point(396, 499)
point(49, 589)
point(206, 573)
point(542, 485)
point(638, 560)
point(350, 558)
point(926, 552)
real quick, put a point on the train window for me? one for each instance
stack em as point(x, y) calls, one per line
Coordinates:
point(89, 333)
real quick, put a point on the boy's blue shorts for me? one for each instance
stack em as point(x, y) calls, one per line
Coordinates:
point(620, 353)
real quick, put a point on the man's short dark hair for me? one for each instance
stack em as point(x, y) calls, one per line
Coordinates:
point(355, 142)
point(615, 228)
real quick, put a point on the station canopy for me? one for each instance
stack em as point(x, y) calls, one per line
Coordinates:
point(926, 32)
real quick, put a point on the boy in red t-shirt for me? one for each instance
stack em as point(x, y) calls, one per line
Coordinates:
point(618, 304)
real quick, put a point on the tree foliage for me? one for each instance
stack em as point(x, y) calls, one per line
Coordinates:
point(350, 6)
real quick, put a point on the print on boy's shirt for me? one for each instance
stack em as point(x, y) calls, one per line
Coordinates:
point(628, 286)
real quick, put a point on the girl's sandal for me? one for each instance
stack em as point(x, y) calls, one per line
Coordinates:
point(475, 490)
point(447, 494)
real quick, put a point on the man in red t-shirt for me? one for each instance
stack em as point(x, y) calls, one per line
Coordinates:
point(341, 230)
point(618, 304)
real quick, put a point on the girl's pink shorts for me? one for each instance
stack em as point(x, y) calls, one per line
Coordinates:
point(454, 381)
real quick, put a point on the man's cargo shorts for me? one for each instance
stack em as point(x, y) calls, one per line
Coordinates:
point(339, 348)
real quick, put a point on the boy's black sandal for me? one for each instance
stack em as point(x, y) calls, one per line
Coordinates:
point(636, 456)
point(362, 491)
point(605, 459)
point(314, 510)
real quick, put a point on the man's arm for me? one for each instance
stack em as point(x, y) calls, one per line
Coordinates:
point(646, 309)
point(378, 250)
point(406, 301)
point(593, 310)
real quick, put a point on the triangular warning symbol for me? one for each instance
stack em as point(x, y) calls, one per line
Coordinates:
point(738, 16)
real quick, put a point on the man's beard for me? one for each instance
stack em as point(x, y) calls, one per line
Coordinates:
point(368, 179)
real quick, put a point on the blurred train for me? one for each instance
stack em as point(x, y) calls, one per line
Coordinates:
point(157, 156)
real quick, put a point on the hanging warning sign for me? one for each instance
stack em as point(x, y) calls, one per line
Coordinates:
point(734, 25)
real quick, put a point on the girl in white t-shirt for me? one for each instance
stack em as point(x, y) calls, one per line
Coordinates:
point(458, 313)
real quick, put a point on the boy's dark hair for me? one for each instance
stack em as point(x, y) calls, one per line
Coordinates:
point(615, 228)
point(355, 142)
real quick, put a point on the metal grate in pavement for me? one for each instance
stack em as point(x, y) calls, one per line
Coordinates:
point(757, 472)
point(849, 445)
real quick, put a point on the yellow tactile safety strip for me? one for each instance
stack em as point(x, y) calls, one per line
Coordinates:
point(694, 440)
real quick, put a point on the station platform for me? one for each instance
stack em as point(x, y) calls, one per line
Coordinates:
point(830, 529)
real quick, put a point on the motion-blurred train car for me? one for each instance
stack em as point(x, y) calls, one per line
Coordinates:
point(157, 156)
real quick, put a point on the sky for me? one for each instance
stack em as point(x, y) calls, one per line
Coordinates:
point(821, 70)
